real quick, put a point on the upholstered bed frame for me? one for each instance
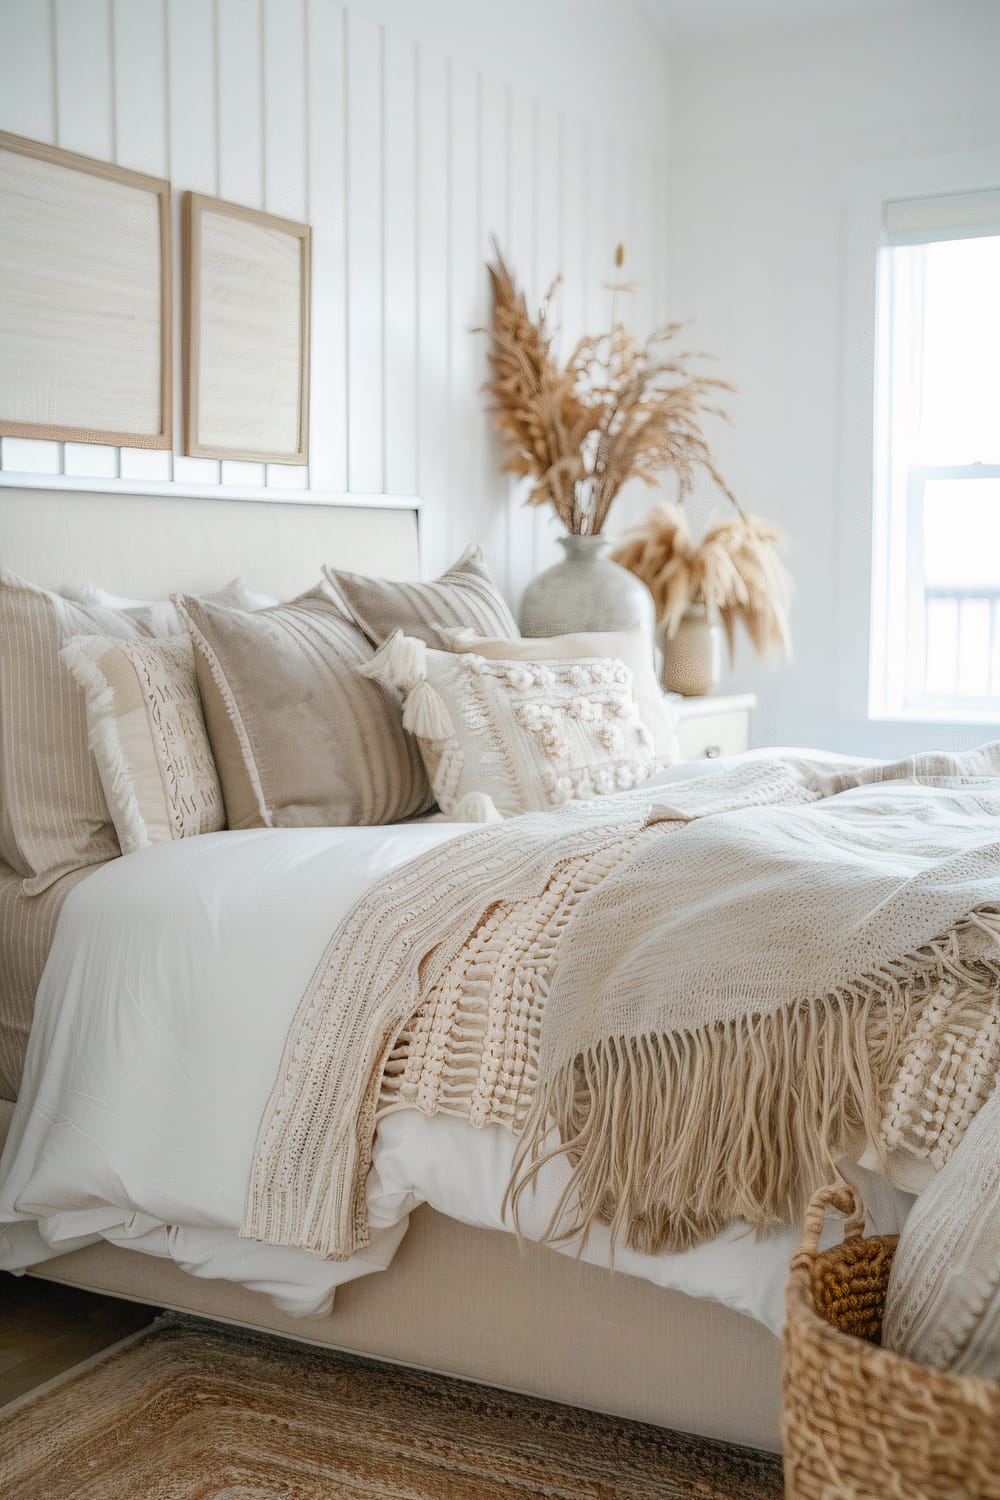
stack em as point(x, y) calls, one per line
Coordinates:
point(462, 1301)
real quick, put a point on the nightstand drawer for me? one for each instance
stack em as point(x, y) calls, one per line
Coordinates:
point(707, 736)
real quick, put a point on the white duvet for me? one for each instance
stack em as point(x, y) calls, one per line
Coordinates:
point(159, 1025)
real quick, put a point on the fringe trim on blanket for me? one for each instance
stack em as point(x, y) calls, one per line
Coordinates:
point(672, 1136)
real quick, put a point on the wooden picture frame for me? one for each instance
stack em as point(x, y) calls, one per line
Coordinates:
point(246, 333)
point(85, 299)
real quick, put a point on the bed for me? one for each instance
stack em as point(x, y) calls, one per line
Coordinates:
point(172, 980)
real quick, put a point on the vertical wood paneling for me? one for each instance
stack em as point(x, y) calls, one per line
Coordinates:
point(522, 257)
point(139, 85)
point(27, 97)
point(466, 506)
point(494, 114)
point(240, 81)
point(192, 150)
point(404, 163)
point(399, 210)
point(326, 170)
point(284, 108)
point(284, 114)
point(432, 304)
point(140, 142)
point(364, 255)
point(549, 264)
point(84, 93)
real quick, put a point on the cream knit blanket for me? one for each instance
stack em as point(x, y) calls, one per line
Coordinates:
point(702, 1009)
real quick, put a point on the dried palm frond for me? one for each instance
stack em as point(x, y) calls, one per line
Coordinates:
point(735, 571)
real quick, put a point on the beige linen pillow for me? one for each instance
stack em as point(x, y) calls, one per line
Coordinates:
point(53, 816)
point(632, 646)
point(299, 738)
point(149, 738)
point(464, 595)
point(500, 738)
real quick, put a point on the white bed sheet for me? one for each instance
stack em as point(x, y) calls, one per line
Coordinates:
point(159, 1025)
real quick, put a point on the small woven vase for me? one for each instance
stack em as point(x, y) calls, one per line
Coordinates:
point(692, 660)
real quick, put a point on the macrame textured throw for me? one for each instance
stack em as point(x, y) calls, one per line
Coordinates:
point(702, 1007)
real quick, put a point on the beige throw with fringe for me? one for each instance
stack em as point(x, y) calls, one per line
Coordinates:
point(702, 1005)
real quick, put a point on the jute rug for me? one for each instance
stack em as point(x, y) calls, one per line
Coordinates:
point(190, 1411)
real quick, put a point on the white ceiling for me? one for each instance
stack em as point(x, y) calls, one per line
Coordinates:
point(688, 23)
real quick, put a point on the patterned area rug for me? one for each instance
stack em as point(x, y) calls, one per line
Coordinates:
point(193, 1410)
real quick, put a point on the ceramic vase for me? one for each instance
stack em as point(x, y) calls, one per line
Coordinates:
point(692, 660)
point(586, 591)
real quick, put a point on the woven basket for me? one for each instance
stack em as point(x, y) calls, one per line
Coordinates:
point(859, 1421)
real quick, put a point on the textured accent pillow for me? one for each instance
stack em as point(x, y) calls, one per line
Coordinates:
point(464, 595)
point(149, 738)
point(943, 1302)
point(633, 647)
point(299, 738)
point(53, 816)
point(500, 738)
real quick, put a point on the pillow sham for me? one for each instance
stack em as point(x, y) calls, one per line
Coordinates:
point(161, 612)
point(500, 738)
point(298, 737)
point(148, 736)
point(464, 595)
point(53, 816)
point(632, 646)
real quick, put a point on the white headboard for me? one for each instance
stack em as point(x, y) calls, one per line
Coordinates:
point(146, 546)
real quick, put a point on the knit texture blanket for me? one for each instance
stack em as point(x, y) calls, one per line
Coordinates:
point(702, 1006)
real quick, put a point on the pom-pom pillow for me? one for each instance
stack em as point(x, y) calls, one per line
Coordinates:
point(500, 738)
point(148, 736)
point(632, 646)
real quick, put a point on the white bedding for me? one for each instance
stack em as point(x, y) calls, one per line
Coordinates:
point(159, 1024)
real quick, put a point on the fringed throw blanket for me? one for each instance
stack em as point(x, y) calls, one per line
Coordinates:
point(702, 1004)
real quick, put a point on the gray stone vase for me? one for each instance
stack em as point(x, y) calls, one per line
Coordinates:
point(586, 591)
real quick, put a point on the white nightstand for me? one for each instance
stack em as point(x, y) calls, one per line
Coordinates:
point(714, 725)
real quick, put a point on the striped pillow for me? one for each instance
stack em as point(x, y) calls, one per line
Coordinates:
point(299, 738)
point(463, 596)
point(53, 815)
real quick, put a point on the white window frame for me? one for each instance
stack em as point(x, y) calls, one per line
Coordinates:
point(862, 560)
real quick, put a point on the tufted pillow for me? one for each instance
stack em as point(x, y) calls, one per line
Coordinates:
point(500, 738)
point(149, 738)
point(463, 596)
point(632, 646)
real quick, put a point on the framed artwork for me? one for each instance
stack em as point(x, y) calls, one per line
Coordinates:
point(85, 299)
point(246, 333)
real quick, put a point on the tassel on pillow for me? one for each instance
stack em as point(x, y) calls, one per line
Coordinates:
point(401, 663)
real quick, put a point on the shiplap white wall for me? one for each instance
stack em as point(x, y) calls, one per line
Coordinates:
point(405, 161)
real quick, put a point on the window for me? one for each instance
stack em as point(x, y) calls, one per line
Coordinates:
point(936, 579)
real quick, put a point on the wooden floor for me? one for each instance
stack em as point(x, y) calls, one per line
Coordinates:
point(45, 1329)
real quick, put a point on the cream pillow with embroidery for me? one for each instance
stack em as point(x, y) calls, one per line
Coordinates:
point(148, 736)
point(501, 738)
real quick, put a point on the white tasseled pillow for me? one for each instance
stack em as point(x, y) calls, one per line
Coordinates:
point(500, 738)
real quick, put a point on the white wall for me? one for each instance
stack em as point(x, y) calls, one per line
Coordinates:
point(405, 134)
point(782, 149)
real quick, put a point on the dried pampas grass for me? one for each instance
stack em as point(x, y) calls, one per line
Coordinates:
point(735, 571)
point(615, 411)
